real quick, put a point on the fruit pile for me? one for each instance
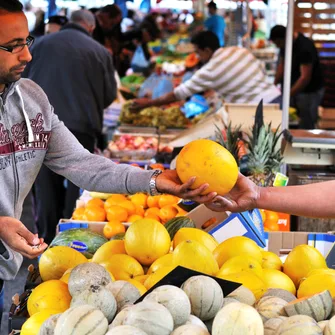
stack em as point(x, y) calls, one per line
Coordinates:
point(275, 298)
point(129, 142)
point(120, 208)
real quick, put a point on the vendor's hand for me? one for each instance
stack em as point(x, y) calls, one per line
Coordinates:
point(169, 182)
point(19, 238)
point(242, 197)
point(139, 104)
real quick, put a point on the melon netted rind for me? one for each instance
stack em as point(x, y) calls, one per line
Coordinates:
point(238, 318)
point(98, 297)
point(280, 293)
point(205, 295)
point(244, 295)
point(299, 324)
point(330, 327)
point(193, 320)
point(49, 325)
point(318, 306)
point(120, 317)
point(124, 293)
point(190, 330)
point(271, 326)
point(81, 320)
point(228, 300)
point(152, 317)
point(175, 300)
point(271, 307)
point(83, 276)
point(126, 330)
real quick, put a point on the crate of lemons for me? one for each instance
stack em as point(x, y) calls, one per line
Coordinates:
point(80, 296)
point(118, 208)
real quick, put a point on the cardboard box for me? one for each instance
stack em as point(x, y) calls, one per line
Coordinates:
point(284, 222)
point(227, 225)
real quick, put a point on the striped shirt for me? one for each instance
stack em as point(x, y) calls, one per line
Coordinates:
point(235, 74)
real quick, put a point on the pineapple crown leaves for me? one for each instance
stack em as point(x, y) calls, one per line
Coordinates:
point(231, 143)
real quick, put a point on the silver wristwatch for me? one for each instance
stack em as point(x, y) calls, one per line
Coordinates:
point(152, 183)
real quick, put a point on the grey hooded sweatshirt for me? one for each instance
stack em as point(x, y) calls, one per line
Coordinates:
point(32, 135)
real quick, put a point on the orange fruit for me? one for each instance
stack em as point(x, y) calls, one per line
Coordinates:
point(154, 217)
point(263, 214)
point(152, 210)
point(271, 225)
point(139, 199)
point(128, 206)
point(271, 216)
point(78, 213)
point(96, 203)
point(134, 217)
point(94, 213)
point(152, 201)
point(168, 212)
point(117, 213)
point(139, 210)
point(112, 228)
point(166, 200)
point(114, 199)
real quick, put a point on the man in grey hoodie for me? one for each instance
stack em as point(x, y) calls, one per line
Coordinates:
point(32, 135)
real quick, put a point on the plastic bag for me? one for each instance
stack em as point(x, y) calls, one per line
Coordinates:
point(164, 86)
point(148, 86)
point(139, 63)
point(195, 106)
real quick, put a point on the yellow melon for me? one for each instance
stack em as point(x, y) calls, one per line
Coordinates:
point(55, 261)
point(194, 256)
point(271, 261)
point(123, 267)
point(52, 294)
point(316, 284)
point(108, 249)
point(165, 260)
point(142, 278)
point(211, 163)
point(138, 285)
point(277, 279)
point(154, 278)
point(33, 324)
point(321, 271)
point(147, 240)
point(239, 264)
point(66, 276)
point(255, 284)
point(237, 246)
point(302, 260)
point(195, 234)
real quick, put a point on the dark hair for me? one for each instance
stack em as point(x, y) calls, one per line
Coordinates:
point(58, 19)
point(278, 33)
point(112, 10)
point(213, 5)
point(12, 6)
point(206, 39)
point(149, 24)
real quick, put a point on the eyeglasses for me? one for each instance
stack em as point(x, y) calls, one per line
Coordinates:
point(19, 47)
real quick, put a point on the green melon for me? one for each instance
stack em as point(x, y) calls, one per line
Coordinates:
point(173, 225)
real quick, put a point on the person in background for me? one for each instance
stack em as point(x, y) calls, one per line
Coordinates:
point(233, 72)
point(307, 84)
point(55, 23)
point(39, 28)
point(197, 25)
point(215, 23)
point(313, 200)
point(30, 15)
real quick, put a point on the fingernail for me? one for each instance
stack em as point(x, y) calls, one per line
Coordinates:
point(36, 240)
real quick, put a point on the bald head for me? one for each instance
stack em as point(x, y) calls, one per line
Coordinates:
point(85, 18)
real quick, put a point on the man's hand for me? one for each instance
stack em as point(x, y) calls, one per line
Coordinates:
point(242, 197)
point(169, 182)
point(19, 238)
point(139, 104)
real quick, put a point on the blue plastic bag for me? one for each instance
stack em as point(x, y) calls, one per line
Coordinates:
point(139, 63)
point(195, 106)
point(148, 86)
point(164, 86)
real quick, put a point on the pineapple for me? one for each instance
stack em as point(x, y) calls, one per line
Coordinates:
point(232, 141)
point(264, 157)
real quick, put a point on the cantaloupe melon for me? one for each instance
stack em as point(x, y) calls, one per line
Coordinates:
point(193, 320)
point(318, 306)
point(124, 293)
point(271, 326)
point(86, 275)
point(152, 317)
point(244, 295)
point(280, 293)
point(175, 300)
point(330, 327)
point(323, 324)
point(190, 330)
point(271, 307)
point(120, 316)
point(229, 300)
point(299, 324)
point(49, 325)
point(205, 295)
point(237, 318)
point(125, 330)
point(99, 297)
point(82, 320)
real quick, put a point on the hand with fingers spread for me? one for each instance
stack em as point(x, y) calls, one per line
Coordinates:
point(19, 238)
point(169, 182)
point(242, 197)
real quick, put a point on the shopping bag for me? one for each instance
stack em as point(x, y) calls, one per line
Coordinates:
point(139, 62)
